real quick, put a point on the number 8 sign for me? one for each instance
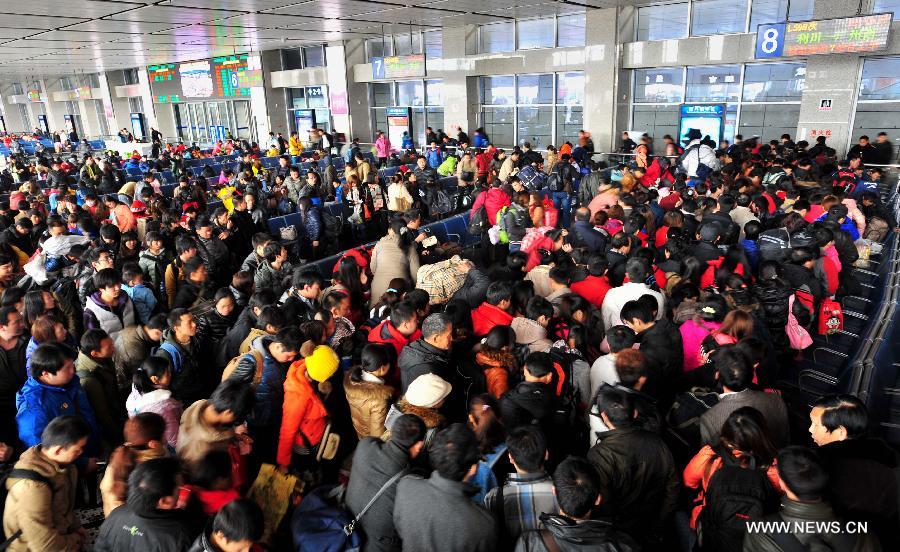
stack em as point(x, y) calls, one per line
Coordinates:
point(770, 40)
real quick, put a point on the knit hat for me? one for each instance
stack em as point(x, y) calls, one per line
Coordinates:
point(322, 363)
point(427, 390)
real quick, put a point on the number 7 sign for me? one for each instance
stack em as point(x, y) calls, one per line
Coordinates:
point(377, 68)
point(770, 40)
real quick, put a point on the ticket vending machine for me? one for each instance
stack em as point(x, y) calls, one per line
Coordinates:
point(304, 121)
point(138, 130)
point(709, 119)
point(399, 121)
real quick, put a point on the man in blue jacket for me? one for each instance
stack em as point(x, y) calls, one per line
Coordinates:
point(52, 389)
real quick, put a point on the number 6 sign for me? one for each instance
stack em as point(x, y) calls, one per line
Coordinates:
point(770, 40)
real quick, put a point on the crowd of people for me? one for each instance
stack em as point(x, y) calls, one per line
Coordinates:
point(600, 371)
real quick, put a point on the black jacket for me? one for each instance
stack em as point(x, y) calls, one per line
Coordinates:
point(419, 358)
point(638, 480)
point(799, 276)
point(705, 251)
point(374, 462)
point(664, 352)
point(246, 321)
point(525, 404)
point(863, 485)
point(727, 228)
point(596, 535)
point(127, 531)
point(616, 268)
point(12, 378)
point(297, 310)
point(474, 289)
point(583, 234)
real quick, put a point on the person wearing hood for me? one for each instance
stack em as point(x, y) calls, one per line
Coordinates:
point(238, 525)
point(97, 373)
point(399, 330)
point(132, 346)
point(53, 389)
point(494, 311)
point(109, 308)
point(577, 488)
point(304, 417)
point(430, 354)
point(265, 368)
point(41, 509)
point(861, 469)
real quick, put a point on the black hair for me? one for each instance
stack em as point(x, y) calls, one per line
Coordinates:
point(418, 298)
point(150, 481)
point(50, 358)
point(214, 467)
point(302, 278)
point(498, 292)
point(408, 430)
point(5, 312)
point(157, 322)
point(130, 271)
point(454, 451)
point(844, 411)
point(184, 243)
point(577, 486)
point(538, 307)
point(528, 448)
point(271, 315)
point(499, 337)
point(153, 366)
point(752, 230)
point(617, 405)
point(65, 431)
point(192, 265)
point(12, 295)
point(539, 364)
point(620, 337)
point(261, 298)
point(802, 472)
point(289, 339)
point(107, 278)
point(174, 317)
point(235, 396)
point(374, 356)
point(637, 310)
point(91, 340)
point(636, 269)
point(240, 520)
point(402, 312)
point(735, 371)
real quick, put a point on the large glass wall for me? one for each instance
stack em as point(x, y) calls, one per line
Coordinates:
point(709, 17)
point(543, 109)
point(429, 43)
point(526, 34)
point(760, 98)
point(425, 97)
point(309, 97)
point(878, 104)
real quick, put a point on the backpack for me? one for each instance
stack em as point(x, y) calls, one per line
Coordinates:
point(774, 245)
point(683, 418)
point(567, 417)
point(734, 496)
point(478, 222)
point(831, 317)
point(233, 363)
point(332, 226)
point(502, 230)
point(843, 181)
point(322, 523)
point(174, 356)
point(554, 183)
point(877, 229)
point(16, 473)
point(441, 203)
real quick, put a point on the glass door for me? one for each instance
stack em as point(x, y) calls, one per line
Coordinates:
point(242, 127)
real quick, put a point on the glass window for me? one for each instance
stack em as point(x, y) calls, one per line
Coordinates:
point(570, 88)
point(883, 6)
point(292, 59)
point(774, 82)
point(774, 11)
point(498, 123)
point(130, 75)
point(659, 85)
point(317, 96)
point(93, 80)
point(17, 89)
point(569, 120)
point(880, 79)
point(434, 44)
point(314, 56)
point(497, 37)
point(570, 30)
point(298, 98)
point(407, 44)
point(535, 89)
point(434, 92)
point(536, 33)
point(662, 22)
point(381, 94)
point(323, 119)
point(535, 125)
point(410, 93)
point(379, 47)
point(655, 120)
point(718, 17)
point(713, 83)
point(769, 121)
point(498, 90)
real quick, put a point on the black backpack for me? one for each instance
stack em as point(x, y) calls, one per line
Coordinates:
point(478, 222)
point(683, 419)
point(568, 417)
point(332, 227)
point(734, 496)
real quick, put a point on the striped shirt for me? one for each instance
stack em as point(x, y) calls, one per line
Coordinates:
point(525, 498)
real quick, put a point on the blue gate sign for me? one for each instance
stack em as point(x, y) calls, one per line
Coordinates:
point(378, 68)
point(770, 40)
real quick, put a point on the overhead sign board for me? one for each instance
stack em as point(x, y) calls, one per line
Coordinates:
point(864, 33)
point(398, 67)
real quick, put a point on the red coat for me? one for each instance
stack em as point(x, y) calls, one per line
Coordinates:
point(493, 200)
point(486, 316)
point(534, 251)
point(654, 171)
point(483, 162)
point(387, 333)
point(593, 289)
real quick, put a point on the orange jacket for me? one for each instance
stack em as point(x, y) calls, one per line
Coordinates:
point(496, 367)
point(699, 471)
point(304, 414)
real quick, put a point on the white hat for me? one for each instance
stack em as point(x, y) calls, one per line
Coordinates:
point(427, 390)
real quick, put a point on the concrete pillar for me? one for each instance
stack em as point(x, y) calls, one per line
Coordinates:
point(275, 115)
point(167, 124)
point(358, 101)
point(830, 77)
point(11, 112)
point(461, 100)
point(600, 71)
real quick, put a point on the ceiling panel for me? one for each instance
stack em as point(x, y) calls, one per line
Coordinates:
point(13, 20)
point(115, 26)
point(403, 15)
point(334, 8)
point(261, 21)
point(12, 34)
point(173, 15)
point(451, 20)
point(85, 8)
point(77, 36)
point(240, 5)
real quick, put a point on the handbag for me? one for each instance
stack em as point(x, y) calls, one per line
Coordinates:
point(831, 317)
point(288, 233)
point(797, 334)
point(467, 176)
point(325, 450)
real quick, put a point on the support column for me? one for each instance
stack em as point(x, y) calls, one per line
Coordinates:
point(833, 77)
point(358, 100)
point(461, 100)
point(601, 61)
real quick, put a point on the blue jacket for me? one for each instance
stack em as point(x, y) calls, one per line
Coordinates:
point(407, 142)
point(143, 299)
point(751, 249)
point(311, 225)
point(434, 158)
point(132, 164)
point(270, 390)
point(480, 141)
point(37, 404)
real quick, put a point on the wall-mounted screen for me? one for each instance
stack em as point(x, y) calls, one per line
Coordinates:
point(196, 79)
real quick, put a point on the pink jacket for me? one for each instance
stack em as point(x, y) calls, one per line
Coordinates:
point(383, 147)
point(692, 336)
point(160, 402)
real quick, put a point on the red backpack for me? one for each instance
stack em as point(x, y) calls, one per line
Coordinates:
point(831, 317)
